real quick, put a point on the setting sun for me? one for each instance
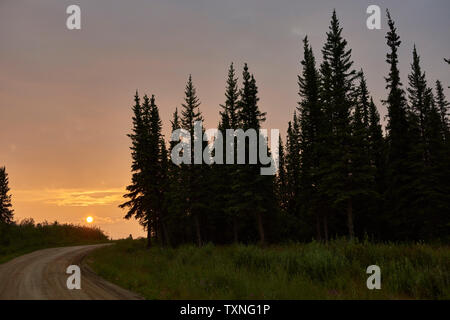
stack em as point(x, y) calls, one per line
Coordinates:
point(89, 219)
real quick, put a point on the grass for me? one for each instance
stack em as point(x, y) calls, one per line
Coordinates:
point(19, 239)
point(296, 271)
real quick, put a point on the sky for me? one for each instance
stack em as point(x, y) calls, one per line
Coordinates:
point(66, 95)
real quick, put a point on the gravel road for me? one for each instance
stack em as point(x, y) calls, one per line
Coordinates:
point(41, 275)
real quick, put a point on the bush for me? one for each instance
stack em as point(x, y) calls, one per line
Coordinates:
point(27, 236)
point(336, 270)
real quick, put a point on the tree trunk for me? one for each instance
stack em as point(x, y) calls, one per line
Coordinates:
point(149, 237)
point(325, 227)
point(235, 230)
point(318, 233)
point(350, 218)
point(160, 236)
point(260, 229)
point(197, 230)
point(166, 234)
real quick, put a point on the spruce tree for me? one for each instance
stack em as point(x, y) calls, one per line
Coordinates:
point(193, 176)
point(324, 149)
point(310, 129)
point(155, 168)
point(229, 114)
point(281, 177)
point(443, 107)
point(6, 213)
point(338, 103)
point(427, 153)
point(363, 172)
point(400, 168)
point(376, 143)
point(419, 105)
point(293, 166)
point(135, 205)
point(250, 116)
point(256, 191)
point(145, 191)
point(164, 194)
point(377, 158)
point(177, 220)
point(228, 175)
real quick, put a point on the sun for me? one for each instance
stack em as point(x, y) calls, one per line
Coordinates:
point(89, 219)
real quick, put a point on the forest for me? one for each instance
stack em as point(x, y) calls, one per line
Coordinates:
point(341, 174)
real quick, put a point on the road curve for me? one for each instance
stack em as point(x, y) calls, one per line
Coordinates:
point(41, 275)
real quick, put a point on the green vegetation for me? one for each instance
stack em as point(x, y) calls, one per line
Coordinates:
point(336, 270)
point(18, 239)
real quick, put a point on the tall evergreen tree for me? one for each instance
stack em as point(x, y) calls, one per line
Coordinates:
point(377, 158)
point(193, 176)
point(400, 168)
point(135, 190)
point(256, 191)
point(6, 213)
point(164, 195)
point(177, 220)
point(419, 105)
point(229, 174)
point(281, 177)
point(144, 192)
point(293, 167)
point(229, 114)
point(338, 102)
point(310, 130)
point(156, 168)
point(433, 191)
point(376, 143)
point(443, 107)
point(363, 171)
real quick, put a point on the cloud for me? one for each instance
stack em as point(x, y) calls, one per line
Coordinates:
point(71, 197)
point(107, 220)
point(297, 31)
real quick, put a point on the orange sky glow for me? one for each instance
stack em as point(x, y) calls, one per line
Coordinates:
point(66, 95)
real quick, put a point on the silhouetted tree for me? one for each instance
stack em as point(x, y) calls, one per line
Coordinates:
point(362, 166)
point(293, 164)
point(148, 179)
point(6, 213)
point(229, 174)
point(177, 220)
point(443, 107)
point(400, 166)
point(256, 191)
point(337, 101)
point(309, 138)
point(281, 177)
point(193, 176)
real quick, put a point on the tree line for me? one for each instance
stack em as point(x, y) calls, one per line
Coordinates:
point(339, 173)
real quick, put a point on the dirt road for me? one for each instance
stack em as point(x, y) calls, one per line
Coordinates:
point(42, 275)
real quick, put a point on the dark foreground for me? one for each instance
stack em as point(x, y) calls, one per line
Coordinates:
point(297, 271)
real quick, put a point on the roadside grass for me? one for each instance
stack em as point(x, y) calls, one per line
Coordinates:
point(295, 271)
point(19, 239)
